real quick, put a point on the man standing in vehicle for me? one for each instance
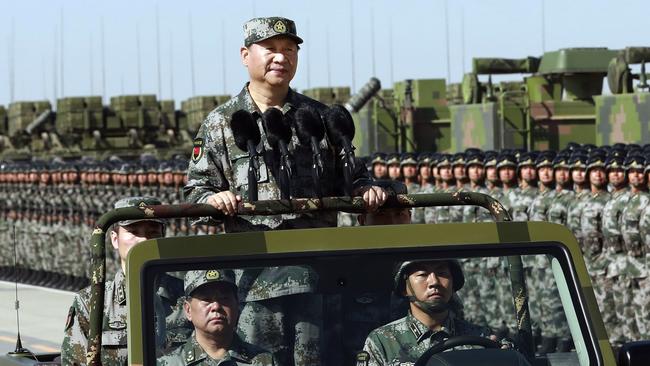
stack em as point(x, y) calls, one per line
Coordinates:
point(218, 175)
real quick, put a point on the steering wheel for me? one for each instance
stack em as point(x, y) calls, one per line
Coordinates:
point(455, 342)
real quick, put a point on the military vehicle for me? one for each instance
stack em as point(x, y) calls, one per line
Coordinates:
point(355, 267)
point(83, 126)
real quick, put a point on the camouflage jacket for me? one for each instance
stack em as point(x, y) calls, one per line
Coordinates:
point(538, 209)
point(217, 165)
point(590, 222)
point(240, 353)
point(557, 209)
point(627, 259)
point(114, 337)
point(440, 214)
point(403, 341)
point(574, 210)
point(520, 201)
point(476, 213)
point(612, 211)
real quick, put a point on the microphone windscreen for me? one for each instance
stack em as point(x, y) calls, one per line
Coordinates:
point(244, 128)
point(340, 125)
point(308, 123)
point(278, 128)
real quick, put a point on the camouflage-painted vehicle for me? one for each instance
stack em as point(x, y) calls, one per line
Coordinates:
point(356, 267)
point(551, 107)
point(83, 126)
point(624, 116)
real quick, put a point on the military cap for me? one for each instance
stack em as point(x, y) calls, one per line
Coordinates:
point(619, 146)
point(434, 159)
point(407, 159)
point(179, 167)
point(260, 29)
point(402, 273)
point(572, 146)
point(151, 167)
point(137, 201)
point(545, 159)
point(393, 159)
point(196, 279)
point(424, 159)
point(589, 147)
point(392, 187)
point(615, 162)
point(561, 161)
point(164, 167)
point(458, 159)
point(378, 158)
point(444, 160)
point(472, 151)
point(635, 162)
point(476, 158)
point(491, 158)
point(506, 160)
point(596, 161)
point(526, 159)
point(619, 153)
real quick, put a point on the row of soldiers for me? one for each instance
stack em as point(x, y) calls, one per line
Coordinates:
point(600, 194)
point(48, 210)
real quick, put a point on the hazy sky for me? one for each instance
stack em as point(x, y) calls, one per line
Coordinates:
point(497, 28)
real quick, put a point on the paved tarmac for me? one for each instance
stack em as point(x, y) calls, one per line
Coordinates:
point(42, 317)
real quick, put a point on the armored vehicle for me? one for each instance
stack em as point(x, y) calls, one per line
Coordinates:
point(354, 270)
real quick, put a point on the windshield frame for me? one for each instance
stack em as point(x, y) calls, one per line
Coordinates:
point(257, 249)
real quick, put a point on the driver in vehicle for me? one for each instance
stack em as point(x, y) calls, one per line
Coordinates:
point(213, 308)
point(429, 287)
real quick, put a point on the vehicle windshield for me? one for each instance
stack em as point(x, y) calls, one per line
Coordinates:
point(345, 308)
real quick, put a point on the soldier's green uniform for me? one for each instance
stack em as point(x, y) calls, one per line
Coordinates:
point(240, 353)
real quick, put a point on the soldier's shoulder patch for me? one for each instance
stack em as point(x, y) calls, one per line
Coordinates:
point(197, 151)
point(362, 358)
point(69, 321)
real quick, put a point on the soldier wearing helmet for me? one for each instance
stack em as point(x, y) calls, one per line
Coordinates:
point(212, 306)
point(429, 286)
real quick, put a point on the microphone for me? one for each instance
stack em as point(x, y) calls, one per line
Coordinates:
point(278, 134)
point(247, 137)
point(310, 131)
point(340, 131)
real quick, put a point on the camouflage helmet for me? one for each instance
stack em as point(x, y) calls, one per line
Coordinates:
point(260, 29)
point(138, 201)
point(401, 274)
point(196, 279)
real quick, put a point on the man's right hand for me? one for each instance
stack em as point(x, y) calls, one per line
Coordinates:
point(225, 201)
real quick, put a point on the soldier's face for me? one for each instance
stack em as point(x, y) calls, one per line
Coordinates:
point(616, 177)
point(213, 309)
point(597, 177)
point(545, 175)
point(394, 171)
point(636, 177)
point(44, 177)
point(476, 173)
point(142, 178)
point(430, 282)
point(379, 170)
point(272, 61)
point(446, 173)
point(435, 172)
point(507, 174)
point(578, 175)
point(152, 177)
point(73, 176)
point(168, 178)
point(425, 172)
point(528, 173)
point(128, 236)
point(561, 176)
point(410, 171)
point(459, 172)
point(178, 178)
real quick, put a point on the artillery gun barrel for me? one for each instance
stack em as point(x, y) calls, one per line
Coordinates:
point(42, 118)
point(363, 96)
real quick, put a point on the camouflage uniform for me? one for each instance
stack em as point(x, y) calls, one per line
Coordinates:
point(217, 165)
point(239, 353)
point(637, 269)
point(406, 339)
